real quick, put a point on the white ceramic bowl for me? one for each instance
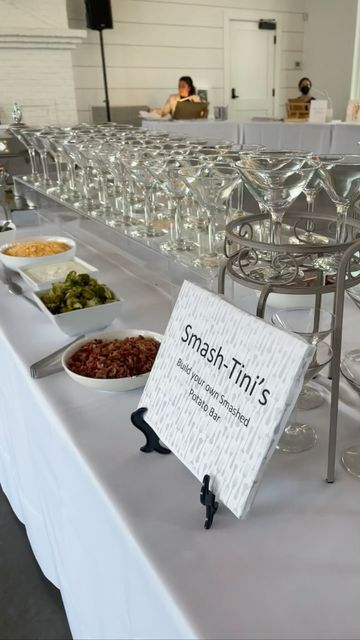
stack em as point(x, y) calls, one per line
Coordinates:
point(113, 384)
point(85, 320)
point(16, 263)
point(9, 235)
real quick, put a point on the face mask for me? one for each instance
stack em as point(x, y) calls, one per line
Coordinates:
point(305, 89)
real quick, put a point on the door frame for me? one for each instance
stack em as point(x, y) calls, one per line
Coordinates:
point(251, 16)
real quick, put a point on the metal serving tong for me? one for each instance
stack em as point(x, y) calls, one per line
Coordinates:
point(51, 363)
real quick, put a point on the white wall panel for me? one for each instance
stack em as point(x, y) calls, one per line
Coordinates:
point(166, 13)
point(279, 5)
point(293, 22)
point(292, 41)
point(167, 35)
point(86, 78)
point(290, 78)
point(288, 59)
point(154, 57)
point(329, 40)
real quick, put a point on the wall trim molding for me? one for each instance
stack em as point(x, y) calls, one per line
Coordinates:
point(41, 38)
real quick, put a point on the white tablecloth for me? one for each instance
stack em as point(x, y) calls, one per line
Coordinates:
point(319, 138)
point(287, 135)
point(345, 138)
point(209, 129)
point(121, 532)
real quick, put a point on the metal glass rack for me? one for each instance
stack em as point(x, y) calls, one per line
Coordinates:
point(308, 262)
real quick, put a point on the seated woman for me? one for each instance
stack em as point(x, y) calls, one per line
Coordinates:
point(304, 86)
point(186, 91)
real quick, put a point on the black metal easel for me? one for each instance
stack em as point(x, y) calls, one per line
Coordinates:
point(207, 497)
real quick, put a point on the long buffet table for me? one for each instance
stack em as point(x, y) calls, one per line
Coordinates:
point(121, 532)
point(209, 129)
point(303, 136)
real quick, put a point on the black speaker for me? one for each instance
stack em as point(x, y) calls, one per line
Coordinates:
point(98, 14)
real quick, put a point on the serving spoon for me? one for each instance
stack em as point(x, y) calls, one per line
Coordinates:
point(17, 290)
point(5, 226)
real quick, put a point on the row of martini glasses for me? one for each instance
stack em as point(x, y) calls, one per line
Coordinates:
point(123, 175)
point(135, 178)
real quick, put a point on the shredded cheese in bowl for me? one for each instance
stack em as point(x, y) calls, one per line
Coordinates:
point(34, 249)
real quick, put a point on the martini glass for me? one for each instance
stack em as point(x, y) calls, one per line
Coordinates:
point(168, 176)
point(232, 156)
point(54, 143)
point(299, 436)
point(78, 154)
point(98, 155)
point(41, 144)
point(132, 198)
point(275, 189)
point(118, 216)
point(350, 368)
point(211, 187)
point(74, 194)
point(145, 178)
point(341, 180)
point(34, 176)
point(314, 325)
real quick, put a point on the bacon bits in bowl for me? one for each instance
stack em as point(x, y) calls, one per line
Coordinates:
point(116, 361)
point(38, 250)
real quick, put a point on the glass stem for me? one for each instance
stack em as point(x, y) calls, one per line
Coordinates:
point(228, 212)
point(72, 176)
point(44, 165)
point(58, 170)
point(32, 156)
point(86, 183)
point(148, 208)
point(293, 417)
point(310, 209)
point(341, 217)
point(178, 220)
point(275, 228)
point(212, 231)
point(130, 198)
point(241, 195)
point(310, 204)
point(104, 187)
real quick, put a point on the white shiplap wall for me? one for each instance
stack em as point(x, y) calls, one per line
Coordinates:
point(156, 41)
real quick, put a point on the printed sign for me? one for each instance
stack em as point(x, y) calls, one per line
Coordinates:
point(318, 111)
point(221, 391)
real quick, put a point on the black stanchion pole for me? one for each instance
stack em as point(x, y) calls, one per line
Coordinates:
point(107, 102)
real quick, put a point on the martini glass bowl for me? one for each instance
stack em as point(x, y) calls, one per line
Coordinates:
point(274, 188)
point(341, 180)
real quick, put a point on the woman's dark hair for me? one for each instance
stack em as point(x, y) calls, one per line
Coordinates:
point(190, 84)
point(302, 80)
